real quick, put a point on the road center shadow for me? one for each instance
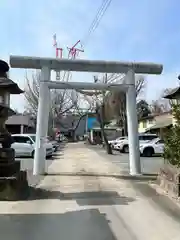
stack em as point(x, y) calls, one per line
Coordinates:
point(123, 175)
point(77, 225)
point(82, 198)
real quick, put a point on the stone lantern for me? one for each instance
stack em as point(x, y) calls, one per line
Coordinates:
point(13, 181)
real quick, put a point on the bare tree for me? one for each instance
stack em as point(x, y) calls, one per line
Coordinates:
point(62, 101)
point(109, 104)
point(32, 93)
point(117, 102)
point(168, 101)
point(161, 105)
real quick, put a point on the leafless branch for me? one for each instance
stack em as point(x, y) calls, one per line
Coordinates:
point(62, 101)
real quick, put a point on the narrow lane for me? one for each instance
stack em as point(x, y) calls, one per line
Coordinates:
point(77, 202)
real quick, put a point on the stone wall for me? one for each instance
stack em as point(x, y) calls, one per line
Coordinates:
point(169, 179)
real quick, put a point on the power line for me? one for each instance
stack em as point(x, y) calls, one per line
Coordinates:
point(100, 15)
point(96, 16)
point(95, 23)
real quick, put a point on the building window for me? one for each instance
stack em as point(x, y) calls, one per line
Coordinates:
point(144, 124)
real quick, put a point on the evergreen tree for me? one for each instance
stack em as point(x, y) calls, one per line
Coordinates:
point(172, 139)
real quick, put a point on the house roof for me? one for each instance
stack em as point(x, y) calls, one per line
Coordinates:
point(20, 119)
point(151, 116)
point(173, 93)
point(161, 123)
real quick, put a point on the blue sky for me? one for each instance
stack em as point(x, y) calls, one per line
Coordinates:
point(130, 30)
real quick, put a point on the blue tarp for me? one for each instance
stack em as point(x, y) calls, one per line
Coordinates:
point(91, 122)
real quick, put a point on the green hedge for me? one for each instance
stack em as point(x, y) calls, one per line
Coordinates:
point(172, 139)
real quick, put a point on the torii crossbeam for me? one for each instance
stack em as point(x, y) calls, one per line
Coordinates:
point(128, 86)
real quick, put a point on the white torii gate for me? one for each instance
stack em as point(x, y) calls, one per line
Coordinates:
point(128, 86)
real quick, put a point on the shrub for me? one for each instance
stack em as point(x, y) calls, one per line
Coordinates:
point(172, 139)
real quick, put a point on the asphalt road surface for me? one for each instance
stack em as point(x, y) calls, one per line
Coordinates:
point(87, 206)
point(149, 165)
point(27, 165)
point(27, 162)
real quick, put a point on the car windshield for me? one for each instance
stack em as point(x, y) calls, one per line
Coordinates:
point(153, 140)
point(120, 138)
point(147, 137)
point(33, 138)
point(49, 139)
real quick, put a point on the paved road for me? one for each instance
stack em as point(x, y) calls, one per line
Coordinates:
point(149, 165)
point(27, 165)
point(78, 201)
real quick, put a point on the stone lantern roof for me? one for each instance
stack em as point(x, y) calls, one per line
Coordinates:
point(5, 82)
point(4, 109)
point(173, 94)
point(7, 86)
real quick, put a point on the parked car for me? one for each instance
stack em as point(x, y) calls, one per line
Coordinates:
point(24, 145)
point(116, 141)
point(123, 146)
point(155, 146)
point(61, 138)
point(54, 143)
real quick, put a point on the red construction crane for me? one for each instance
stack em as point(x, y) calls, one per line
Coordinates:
point(73, 51)
point(58, 50)
point(72, 54)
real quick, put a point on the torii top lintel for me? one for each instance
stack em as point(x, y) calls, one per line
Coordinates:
point(84, 65)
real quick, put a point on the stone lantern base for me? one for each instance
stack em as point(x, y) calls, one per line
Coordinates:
point(13, 181)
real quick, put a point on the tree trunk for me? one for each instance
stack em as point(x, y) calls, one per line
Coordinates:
point(101, 122)
point(107, 145)
point(125, 129)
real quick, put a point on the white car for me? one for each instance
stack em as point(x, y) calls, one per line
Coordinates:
point(24, 145)
point(54, 143)
point(123, 146)
point(156, 146)
point(61, 138)
point(116, 141)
